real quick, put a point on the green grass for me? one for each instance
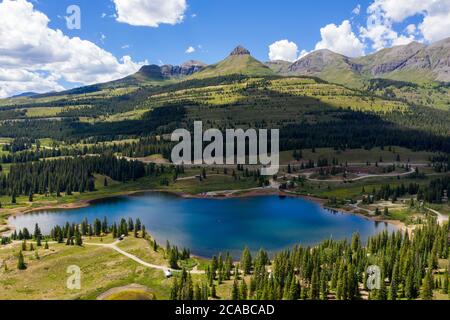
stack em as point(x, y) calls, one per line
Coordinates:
point(43, 112)
point(101, 268)
point(213, 183)
point(131, 295)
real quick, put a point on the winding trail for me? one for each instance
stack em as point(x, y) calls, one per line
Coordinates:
point(366, 176)
point(440, 217)
point(114, 246)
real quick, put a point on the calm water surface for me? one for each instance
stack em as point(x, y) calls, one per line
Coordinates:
point(209, 226)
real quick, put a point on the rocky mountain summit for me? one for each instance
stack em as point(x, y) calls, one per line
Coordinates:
point(239, 51)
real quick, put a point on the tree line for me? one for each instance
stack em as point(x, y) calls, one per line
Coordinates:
point(71, 174)
point(408, 265)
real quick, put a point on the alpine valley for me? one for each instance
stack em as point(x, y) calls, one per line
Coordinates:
point(364, 181)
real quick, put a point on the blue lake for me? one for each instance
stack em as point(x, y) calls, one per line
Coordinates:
point(209, 226)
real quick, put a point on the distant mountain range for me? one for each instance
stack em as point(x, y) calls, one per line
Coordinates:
point(414, 63)
point(25, 95)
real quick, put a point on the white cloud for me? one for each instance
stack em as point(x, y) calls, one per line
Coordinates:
point(283, 50)
point(436, 27)
point(303, 54)
point(357, 10)
point(13, 81)
point(384, 14)
point(150, 13)
point(340, 39)
point(190, 50)
point(403, 40)
point(411, 29)
point(45, 56)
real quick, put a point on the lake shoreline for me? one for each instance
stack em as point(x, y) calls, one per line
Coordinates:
point(232, 195)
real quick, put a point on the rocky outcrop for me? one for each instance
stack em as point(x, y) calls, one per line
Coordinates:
point(155, 72)
point(239, 51)
point(186, 69)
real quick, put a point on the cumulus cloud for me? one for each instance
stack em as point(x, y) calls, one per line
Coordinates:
point(357, 10)
point(436, 27)
point(43, 56)
point(150, 13)
point(190, 50)
point(340, 39)
point(283, 50)
point(411, 29)
point(14, 81)
point(384, 14)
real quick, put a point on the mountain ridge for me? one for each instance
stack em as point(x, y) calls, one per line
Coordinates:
point(414, 62)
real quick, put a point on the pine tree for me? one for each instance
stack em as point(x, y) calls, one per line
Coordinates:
point(46, 245)
point(427, 288)
point(115, 231)
point(294, 290)
point(382, 294)
point(393, 289)
point(78, 239)
point(243, 292)
point(445, 284)
point(235, 291)
point(246, 261)
point(315, 285)
point(173, 261)
point(21, 263)
point(174, 290)
point(197, 293)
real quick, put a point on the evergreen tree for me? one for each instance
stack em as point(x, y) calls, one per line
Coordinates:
point(78, 239)
point(246, 261)
point(445, 284)
point(243, 291)
point(21, 262)
point(427, 288)
point(393, 289)
point(235, 291)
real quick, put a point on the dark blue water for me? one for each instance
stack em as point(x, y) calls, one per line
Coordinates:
point(208, 226)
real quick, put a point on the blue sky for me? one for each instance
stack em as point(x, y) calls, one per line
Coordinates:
point(218, 26)
point(38, 52)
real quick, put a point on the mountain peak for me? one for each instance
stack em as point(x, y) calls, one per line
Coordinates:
point(239, 51)
point(193, 63)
